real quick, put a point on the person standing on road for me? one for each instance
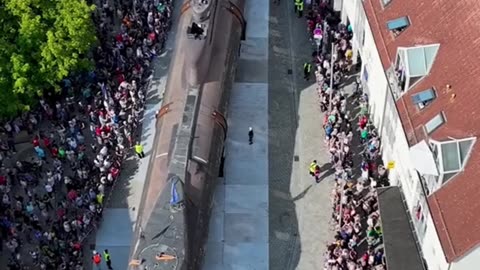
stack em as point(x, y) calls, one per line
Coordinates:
point(97, 259)
point(317, 173)
point(139, 150)
point(312, 167)
point(314, 171)
point(299, 7)
point(307, 69)
point(250, 135)
point(108, 261)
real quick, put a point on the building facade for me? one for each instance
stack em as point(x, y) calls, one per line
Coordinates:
point(415, 110)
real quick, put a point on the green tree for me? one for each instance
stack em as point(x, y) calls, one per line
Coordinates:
point(41, 42)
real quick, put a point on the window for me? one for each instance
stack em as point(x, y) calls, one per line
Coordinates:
point(450, 159)
point(452, 156)
point(399, 25)
point(418, 212)
point(423, 98)
point(412, 65)
point(464, 148)
point(363, 38)
point(435, 123)
point(365, 73)
point(386, 2)
point(447, 177)
point(420, 59)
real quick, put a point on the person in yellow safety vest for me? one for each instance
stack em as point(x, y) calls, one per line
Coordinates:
point(299, 7)
point(100, 197)
point(108, 260)
point(313, 165)
point(139, 150)
point(307, 69)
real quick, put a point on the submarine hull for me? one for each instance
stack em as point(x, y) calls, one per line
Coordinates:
point(191, 129)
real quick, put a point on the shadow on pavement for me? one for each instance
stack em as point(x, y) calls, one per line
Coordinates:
point(283, 103)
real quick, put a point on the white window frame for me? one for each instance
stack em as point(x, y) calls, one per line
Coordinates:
point(386, 2)
point(407, 76)
point(431, 131)
point(440, 158)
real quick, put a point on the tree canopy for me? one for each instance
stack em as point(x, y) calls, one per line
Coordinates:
point(41, 43)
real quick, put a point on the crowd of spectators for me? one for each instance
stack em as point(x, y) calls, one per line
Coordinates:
point(357, 243)
point(53, 191)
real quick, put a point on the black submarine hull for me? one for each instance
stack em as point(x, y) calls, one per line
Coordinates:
point(191, 128)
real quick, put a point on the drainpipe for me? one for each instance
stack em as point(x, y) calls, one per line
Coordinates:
point(325, 37)
point(332, 59)
point(384, 112)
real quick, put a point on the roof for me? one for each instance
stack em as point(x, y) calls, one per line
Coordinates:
point(401, 250)
point(454, 25)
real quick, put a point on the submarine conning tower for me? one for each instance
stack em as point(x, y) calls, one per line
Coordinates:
point(199, 33)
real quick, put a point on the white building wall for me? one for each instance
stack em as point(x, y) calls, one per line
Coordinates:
point(433, 252)
point(395, 147)
point(375, 82)
point(468, 262)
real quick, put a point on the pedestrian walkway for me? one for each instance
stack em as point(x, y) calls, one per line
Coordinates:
point(238, 237)
point(300, 209)
point(120, 215)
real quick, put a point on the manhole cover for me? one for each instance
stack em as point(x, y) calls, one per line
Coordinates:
point(289, 72)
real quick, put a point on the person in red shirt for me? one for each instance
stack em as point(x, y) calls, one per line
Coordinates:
point(317, 174)
point(54, 151)
point(60, 212)
point(107, 129)
point(97, 259)
point(152, 36)
point(119, 38)
point(36, 141)
point(311, 26)
point(46, 142)
point(363, 122)
point(72, 195)
point(114, 171)
point(76, 246)
point(3, 180)
point(98, 131)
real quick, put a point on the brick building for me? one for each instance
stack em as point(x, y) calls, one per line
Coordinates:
point(419, 68)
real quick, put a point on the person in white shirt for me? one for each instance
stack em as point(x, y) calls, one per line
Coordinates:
point(104, 151)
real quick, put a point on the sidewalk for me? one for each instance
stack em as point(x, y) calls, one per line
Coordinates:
point(300, 209)
point(116, 230)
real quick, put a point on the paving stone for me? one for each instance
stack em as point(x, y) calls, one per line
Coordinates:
point(294, 130)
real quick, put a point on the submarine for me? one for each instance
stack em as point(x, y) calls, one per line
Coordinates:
point(191, 128)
